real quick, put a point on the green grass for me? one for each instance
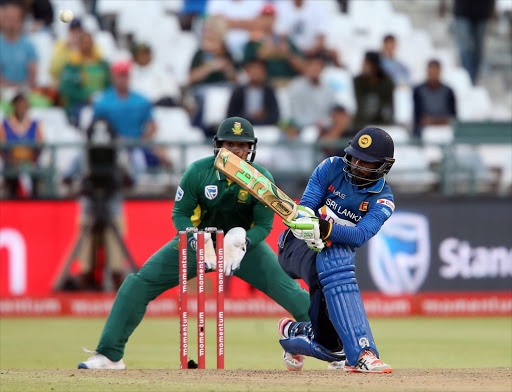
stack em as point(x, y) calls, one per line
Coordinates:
point(34, 343)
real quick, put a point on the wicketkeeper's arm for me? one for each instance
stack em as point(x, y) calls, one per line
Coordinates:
point(263, 220)
point(186, 200)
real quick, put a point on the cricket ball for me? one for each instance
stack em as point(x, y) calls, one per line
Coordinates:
point(66, 15)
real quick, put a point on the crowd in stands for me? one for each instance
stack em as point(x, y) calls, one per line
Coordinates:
point(275, 58)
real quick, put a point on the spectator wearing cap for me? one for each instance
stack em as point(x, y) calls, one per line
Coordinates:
point(374, 94)
point(18, 57)
point(310, 99)
point(130, 114)
point(64, 49)
point(283, 59)
point(85, 75)
point(434, 102)
point(395, 69)
point(20, 158)
point(151, 80)
point(255, 101)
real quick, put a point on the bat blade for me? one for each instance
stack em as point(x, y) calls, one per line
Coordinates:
point(249, 178)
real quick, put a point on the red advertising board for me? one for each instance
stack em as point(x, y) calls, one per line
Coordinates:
point(36, 238)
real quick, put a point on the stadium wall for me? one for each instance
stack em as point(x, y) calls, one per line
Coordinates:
point(434, 257)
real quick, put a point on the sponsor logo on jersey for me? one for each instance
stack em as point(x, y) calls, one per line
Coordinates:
point(335, 192)
point(237, 128)
point(365, 141)
point(363, 206)
point(399, 255)
point(179, 194)
point(388, 203)
point(211, 191)
point(329, 215)
point(243, 195)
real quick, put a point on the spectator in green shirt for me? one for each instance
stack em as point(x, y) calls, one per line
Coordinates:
point(283, 59)
point(85, 74)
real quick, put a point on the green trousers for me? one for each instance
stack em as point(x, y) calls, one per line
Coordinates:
point(259, 268)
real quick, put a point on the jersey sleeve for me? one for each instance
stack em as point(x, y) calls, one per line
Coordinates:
point(356, 236)
point(263, 217)
point(317, 185)
point(186, 199)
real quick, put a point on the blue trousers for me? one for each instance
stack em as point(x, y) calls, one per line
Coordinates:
point(299, 262)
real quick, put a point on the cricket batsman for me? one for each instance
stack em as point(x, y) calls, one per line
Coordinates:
point(205, 198)
point(345, 203)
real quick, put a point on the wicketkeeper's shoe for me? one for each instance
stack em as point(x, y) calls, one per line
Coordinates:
point(293, 362)
point(369, 363)
point(99, 361)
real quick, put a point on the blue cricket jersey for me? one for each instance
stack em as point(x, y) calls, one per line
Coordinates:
point(356, 214)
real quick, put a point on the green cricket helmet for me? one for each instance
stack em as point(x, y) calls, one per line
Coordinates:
point(236, 129)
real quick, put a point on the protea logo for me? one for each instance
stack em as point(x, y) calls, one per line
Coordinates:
point(399, 255)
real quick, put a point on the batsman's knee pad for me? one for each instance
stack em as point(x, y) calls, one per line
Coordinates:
point(336, 271)
point(301, 344)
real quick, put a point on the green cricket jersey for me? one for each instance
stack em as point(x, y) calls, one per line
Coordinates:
point(205, 197)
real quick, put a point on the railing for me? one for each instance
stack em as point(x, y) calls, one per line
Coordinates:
point(290, 163)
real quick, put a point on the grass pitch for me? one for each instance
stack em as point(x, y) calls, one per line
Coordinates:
point(50, 348)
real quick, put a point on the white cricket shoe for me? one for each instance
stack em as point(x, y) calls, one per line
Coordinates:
point(369, 363)
point(293, 362)
point(99, 361)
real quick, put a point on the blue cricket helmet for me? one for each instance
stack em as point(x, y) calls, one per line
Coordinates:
point(370, 144)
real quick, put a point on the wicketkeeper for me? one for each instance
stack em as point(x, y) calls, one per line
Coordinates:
point(205, 198)
point(345, 203)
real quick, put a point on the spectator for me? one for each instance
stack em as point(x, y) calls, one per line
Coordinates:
point(434, 102)
point(41, 14)
point(256, 101)
point(471, 18)
point(212, 62)
point(334, 131)
point(238, 18)
point(283, 59)
point(190, 11)
point(84, 75)
point(63, 50)
point(212, 65)
point(374, 94)
point(299, 20)
point(395, 69)
point(18, 57)
point(310, 100)
point(151, 80)
point(20, 160)
point(130, 114)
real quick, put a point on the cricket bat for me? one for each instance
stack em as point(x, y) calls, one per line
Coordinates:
point(256, 184)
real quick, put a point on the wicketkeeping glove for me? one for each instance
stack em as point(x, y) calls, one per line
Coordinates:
point(234, 249)
point(210, 256)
